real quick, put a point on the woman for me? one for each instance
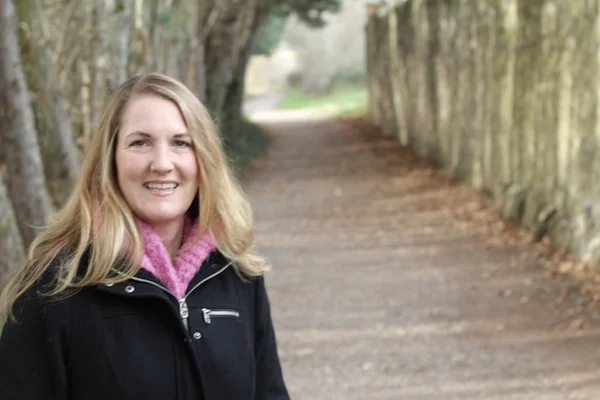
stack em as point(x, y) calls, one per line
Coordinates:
point(146, 284)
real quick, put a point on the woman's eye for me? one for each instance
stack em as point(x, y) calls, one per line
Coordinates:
point(138, 143)
point(181, 143)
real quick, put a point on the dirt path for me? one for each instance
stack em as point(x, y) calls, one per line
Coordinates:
point(379, 291)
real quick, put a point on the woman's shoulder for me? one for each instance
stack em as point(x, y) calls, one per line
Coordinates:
point(40, 295)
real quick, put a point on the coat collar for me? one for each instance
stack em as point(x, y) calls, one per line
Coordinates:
point(144, 284)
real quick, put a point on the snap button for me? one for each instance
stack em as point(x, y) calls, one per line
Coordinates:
point(110, 284)
point(129, 289)
point(197, 335)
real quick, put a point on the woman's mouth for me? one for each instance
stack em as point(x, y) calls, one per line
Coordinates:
point(161, 186)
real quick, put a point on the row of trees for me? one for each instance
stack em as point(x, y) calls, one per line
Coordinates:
point(60, 59)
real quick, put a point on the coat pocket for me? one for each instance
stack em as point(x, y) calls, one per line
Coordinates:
point(225, 350)
point(210, 313)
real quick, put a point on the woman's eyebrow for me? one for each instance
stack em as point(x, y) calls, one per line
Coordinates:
point(140, 133)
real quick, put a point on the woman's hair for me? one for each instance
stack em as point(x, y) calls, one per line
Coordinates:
point(97, 224)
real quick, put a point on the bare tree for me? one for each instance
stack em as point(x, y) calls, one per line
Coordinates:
point(11, 245)
point(59, 150)
point(124, 40)
point(19, 149)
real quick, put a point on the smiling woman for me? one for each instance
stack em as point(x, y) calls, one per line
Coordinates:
point(146, 284)
point(156, 166)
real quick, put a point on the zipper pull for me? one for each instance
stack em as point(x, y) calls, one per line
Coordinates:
point(184, 312)
point(206, 313)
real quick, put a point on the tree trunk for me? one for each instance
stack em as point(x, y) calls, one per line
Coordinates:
point(86, 115)
point(59, 150)
point(19, 148)
point(234, 94)
point(206, 17)
point(95, 56)
point(227, 48)
point(141, 45)
point(11, 245)
point(222, 49)
point(154, 36)
point(124, 40)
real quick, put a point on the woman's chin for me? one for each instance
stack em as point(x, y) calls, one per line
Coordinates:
point(161, 219)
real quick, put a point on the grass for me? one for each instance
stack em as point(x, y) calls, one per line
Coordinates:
point(337, 103)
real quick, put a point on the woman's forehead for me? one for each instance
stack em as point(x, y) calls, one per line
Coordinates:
point(151, 114)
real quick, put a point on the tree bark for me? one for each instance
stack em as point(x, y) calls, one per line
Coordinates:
point(19, 148)
point(96, 55)
point(234, 94)
point(227, 49)
point(206, 18)
point(11, 245)
point(124, 40)
point(141, 45)
point(154, 35)
point(222, 49)
point(59, 150)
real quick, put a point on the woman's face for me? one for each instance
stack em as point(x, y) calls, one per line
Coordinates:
point(155, 159)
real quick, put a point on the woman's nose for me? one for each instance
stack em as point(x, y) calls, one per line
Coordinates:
point(162, 161)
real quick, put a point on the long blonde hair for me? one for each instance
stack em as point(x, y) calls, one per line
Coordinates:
point(98, 223)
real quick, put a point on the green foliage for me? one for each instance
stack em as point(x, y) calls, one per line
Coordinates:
point(310, 12)
point(163, 15)
point(337, 102)
point(269, 34)
point(252, 143)
point(119, 6)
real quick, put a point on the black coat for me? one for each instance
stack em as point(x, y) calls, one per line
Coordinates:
point(135, 340)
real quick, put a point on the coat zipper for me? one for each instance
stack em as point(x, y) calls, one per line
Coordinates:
point(218, 313)
point(184, 312)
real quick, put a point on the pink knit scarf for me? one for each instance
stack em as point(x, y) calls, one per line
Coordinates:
point(157, 261)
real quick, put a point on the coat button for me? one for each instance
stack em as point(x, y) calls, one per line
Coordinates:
point(110, 284)
point(129, 289)
point(197, 335)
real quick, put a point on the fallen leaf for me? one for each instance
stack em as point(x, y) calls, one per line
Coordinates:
point(579, 324)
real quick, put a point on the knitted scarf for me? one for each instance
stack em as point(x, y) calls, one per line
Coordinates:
point(177, 274)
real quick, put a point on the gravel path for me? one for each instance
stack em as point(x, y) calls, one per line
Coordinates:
point(387, 284)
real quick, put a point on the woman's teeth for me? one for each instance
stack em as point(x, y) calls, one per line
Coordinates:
point(161, 186)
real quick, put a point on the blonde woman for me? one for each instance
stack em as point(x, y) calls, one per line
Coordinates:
point(146, 284)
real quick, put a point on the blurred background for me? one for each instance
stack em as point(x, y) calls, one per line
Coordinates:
point(313, 67)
